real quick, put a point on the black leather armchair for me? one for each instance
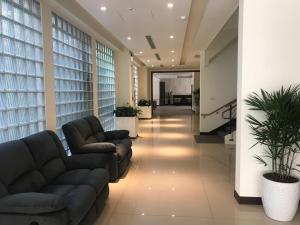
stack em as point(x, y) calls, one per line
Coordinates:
point(41, 185)
point(86, 136)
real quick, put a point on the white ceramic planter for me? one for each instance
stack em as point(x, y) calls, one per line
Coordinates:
point(280, 200)
point(146, 112)
point(128, 123)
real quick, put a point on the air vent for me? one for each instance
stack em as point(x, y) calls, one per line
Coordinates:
point(157, 56)
point(150, 42)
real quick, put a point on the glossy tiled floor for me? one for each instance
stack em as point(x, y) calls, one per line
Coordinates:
point(174, 181)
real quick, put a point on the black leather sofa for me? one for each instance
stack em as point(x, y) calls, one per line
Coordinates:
point(86, 136)
point(40, 185)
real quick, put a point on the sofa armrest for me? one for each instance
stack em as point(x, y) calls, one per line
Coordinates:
point(87, 161)
point(116, 134)
point(103, 147)
point(31, 203)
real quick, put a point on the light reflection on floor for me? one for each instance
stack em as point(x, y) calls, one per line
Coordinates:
point(174, 181)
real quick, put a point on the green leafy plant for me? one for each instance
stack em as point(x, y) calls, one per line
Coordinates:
point(127, 111)
point(144, 102)
point(278, 131)
point(197, 95)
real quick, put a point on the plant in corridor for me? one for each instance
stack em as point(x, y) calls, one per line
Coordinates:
point(144, 102)
point(279, 131)
point(127, 111)
point(197, 96)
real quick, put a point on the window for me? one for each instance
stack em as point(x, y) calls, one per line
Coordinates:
point(135, 85)
point(106, 86)
point(72, 56)
point(22, 105)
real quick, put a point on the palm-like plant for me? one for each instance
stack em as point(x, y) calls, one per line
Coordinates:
point(279, 131)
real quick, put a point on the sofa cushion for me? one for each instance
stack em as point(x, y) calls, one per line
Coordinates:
point(100, 137)
point(17, 168)
point(78, 199)
point(46, 154)
point(96, 178)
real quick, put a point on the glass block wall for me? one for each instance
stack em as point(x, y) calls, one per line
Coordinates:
point(72, 54)
point(135, 85)
point(22, 109)
point(106, 85)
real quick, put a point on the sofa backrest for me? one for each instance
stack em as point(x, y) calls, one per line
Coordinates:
point(83, 131)
point(18, 172)
point(48, 154)
point(95, 124)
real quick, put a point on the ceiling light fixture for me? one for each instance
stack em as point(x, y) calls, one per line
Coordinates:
point(172, 51)
point(148, 60)
point(183, 17)
point(171, 36)
point(141, 52)
point(152, 66)
point(173, 60)
point(103, 8)
point(128, 38)
point(170, 5)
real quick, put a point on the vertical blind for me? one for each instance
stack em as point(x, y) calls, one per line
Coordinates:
point(135, 85)
point(22, 105)
point(72, 54)
point(106, 85)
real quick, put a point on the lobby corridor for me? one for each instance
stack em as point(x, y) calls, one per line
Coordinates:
point(174, 181)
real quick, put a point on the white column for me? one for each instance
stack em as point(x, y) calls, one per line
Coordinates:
point(123, 78)
point(49, 81)
point(268, 58)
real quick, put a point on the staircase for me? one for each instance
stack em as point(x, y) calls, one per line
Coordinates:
point(228, 130)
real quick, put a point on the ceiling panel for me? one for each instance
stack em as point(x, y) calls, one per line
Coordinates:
point(138, 18)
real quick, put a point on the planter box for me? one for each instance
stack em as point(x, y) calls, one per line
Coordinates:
point(128, 123)
point(146, 112)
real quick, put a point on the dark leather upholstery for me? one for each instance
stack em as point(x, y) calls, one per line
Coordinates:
point(40, 183)
point(86, 136)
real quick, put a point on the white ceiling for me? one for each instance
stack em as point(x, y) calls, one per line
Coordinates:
point(138, 18)
point(148, 17)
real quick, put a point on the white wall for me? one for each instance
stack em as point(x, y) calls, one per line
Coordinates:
point(268, 57)
point(178, 86)
point(218, 86)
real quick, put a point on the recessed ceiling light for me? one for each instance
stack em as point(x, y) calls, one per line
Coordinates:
point(170, 5)
point(172, 51)
point(141, 52)
point(183, 17)
point(173, 60)
point(172, 36)
point(148, 60)
point(128, 38)
point(152, 66)
point(103, 8)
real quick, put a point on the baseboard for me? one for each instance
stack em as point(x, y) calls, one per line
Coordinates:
point(247, 200)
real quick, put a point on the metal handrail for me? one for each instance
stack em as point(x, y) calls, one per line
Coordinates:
point(218, 109)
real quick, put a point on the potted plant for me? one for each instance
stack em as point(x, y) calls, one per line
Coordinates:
point(279, 133)
point(146, 109)
point(127, 119)
point(196, 94)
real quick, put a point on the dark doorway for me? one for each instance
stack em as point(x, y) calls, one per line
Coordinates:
point(162, 93)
